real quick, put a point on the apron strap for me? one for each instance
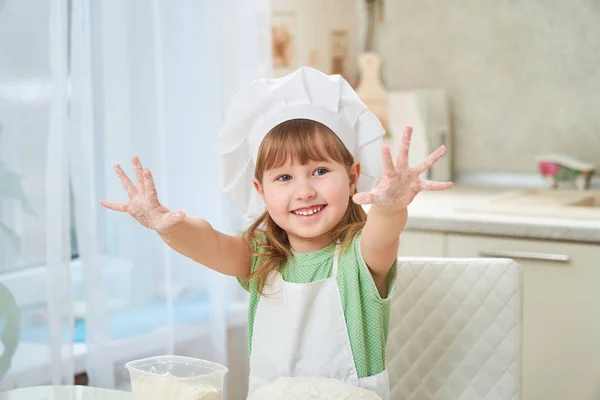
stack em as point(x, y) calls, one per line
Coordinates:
point(336, 256)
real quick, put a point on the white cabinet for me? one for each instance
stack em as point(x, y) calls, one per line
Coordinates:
point(422, 244)
point(561, 311)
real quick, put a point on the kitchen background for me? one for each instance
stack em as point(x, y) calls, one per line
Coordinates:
point(521, 78)
point(85, 84)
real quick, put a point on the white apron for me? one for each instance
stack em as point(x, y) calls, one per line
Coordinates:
point(300, 330)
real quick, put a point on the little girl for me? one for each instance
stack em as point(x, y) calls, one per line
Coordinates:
point(303, 154)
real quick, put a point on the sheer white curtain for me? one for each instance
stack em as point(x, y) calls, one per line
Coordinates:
point(116, 78)
point(153, 78)
point(36, 340)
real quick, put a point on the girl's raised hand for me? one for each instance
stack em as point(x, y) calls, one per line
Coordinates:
point(143, 204)
point(401, 183)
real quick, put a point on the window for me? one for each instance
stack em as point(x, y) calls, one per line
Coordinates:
point(25, 89)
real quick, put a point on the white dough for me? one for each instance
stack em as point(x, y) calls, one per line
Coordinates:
point(311, 388)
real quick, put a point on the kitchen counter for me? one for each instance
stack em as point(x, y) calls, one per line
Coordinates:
point(478, 210)
point(64, 393)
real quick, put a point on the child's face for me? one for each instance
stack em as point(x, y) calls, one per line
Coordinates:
point(308, 201)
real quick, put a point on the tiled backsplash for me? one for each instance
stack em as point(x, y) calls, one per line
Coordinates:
point(523, 77)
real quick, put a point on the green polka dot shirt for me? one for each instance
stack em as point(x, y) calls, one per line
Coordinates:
point(367, 315)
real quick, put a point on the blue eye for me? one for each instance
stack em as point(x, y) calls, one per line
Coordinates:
point(284, 178)
point(320, 171)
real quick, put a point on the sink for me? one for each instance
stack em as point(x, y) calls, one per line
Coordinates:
point(589, 201)
point(545, 198)
point(543, 202)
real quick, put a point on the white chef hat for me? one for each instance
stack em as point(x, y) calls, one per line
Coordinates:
point(305, 93)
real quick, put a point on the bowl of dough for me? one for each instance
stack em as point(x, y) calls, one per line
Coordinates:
point(176, 378)
point(311, 388)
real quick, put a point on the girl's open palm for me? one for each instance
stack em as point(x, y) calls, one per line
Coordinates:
point(143, 204)
point(401, 183)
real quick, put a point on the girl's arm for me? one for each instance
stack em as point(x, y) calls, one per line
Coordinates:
point(380, 239)
point(191, 236)
point(197, 239)
point(388, 214)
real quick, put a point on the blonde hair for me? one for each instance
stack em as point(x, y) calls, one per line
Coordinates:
point(301, 141)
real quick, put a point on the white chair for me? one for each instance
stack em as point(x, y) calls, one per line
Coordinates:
point(455, 330)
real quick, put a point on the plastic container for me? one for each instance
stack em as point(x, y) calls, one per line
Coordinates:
point(176, 378)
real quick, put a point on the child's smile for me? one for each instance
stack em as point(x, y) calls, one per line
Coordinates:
point(309, 212)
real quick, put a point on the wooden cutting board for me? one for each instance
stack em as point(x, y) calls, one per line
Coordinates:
point(370, 87)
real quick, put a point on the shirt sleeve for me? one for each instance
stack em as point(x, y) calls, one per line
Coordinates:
point(244, 284)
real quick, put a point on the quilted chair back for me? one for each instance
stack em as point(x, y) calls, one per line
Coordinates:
point(455, 330)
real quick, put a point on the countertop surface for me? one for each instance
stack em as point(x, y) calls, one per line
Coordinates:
point(64, 393)
point(534, 213)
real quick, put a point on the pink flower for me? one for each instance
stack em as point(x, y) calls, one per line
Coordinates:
point(548, 168)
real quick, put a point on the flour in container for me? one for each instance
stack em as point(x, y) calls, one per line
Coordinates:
point(166, 386)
